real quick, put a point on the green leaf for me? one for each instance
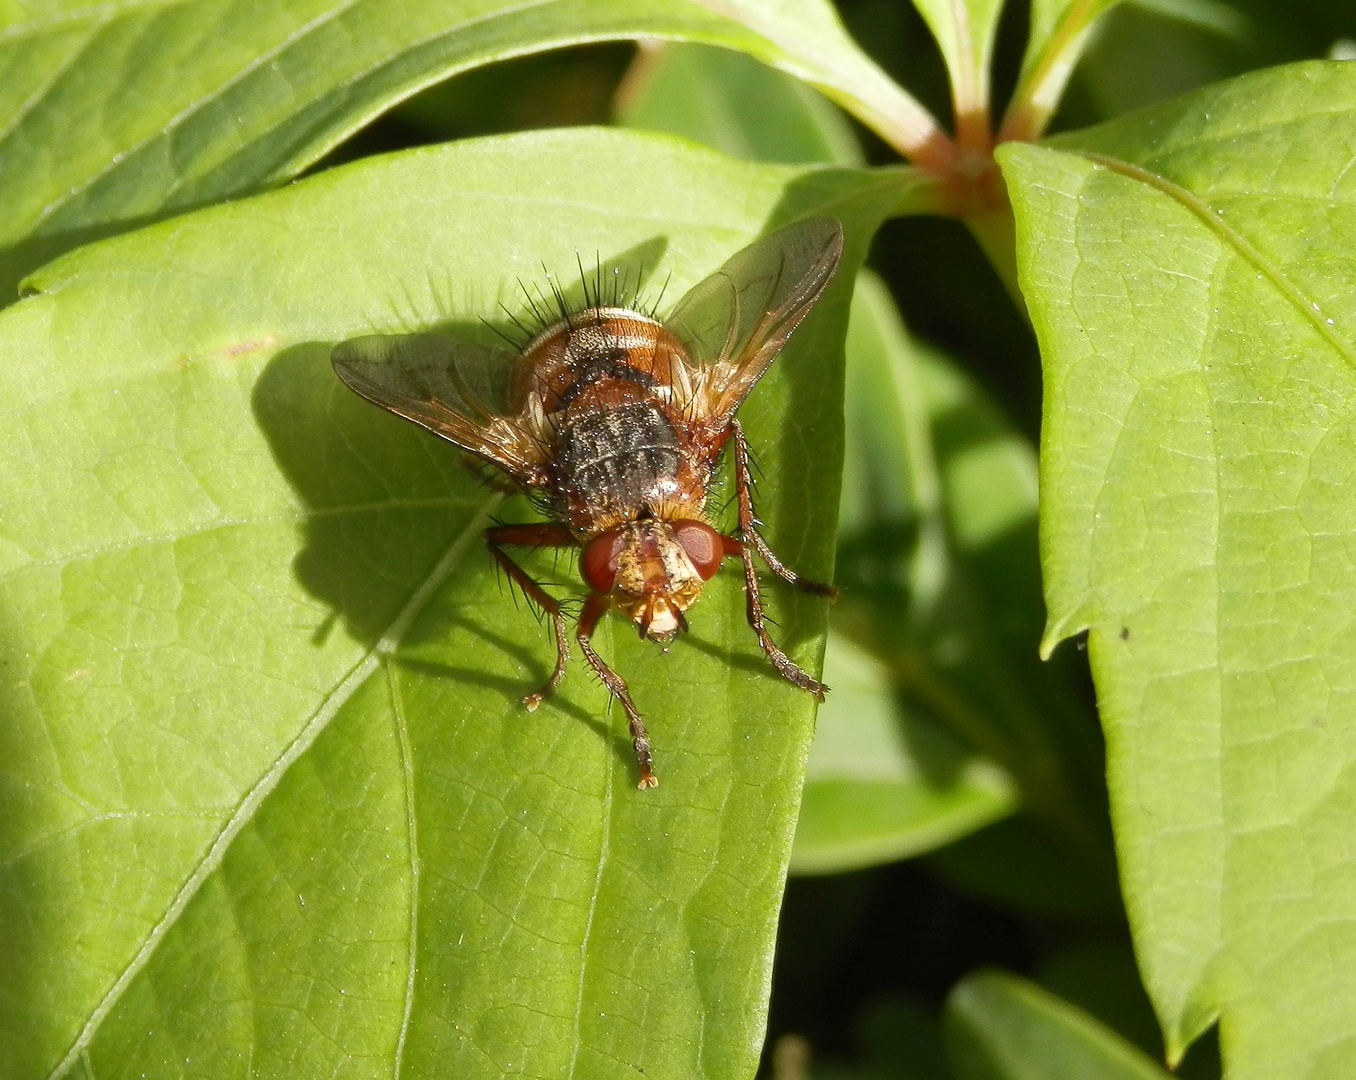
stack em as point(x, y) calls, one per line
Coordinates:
point(114, 114)
point(938, 563)
point(883, 783)
point(1188, 272)
point(897, 1038)
point(1101, 978)
point(741, 107)
point(1139, 58)
point(732, 103)
point(1059, 32)
point(1213, 15)
point(885, 780)
point(965, 31)
point(1026, 864)
point(1000, 1027)
point(270, 801)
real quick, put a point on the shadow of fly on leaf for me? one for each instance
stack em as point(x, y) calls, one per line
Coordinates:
point(615, 422)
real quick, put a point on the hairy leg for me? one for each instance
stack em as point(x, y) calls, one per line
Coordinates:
point(535, 536)
point(594, 608)
point(748, 524)
point(744, 546)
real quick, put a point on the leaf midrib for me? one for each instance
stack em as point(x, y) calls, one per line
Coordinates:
point(1215, 221)
point(273, 775)
point(189, 110)
point(290, 41)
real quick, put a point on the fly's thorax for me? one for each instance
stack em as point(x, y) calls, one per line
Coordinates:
point(616, 459)
point(654, 570)
point(599, 342)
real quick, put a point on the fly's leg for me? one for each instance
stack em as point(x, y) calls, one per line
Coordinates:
point(535, 536)
point(748, 524)
point(744, 546)
point(786, 667)
point(594, 608)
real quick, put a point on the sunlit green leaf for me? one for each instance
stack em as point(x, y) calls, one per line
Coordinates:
point(111, 114)
point(270, 800)
point(1189, 272)
point(1137, 59)
point(965, 31)
point(731, 102)
point(1059, 32)
point(1000, 1027)
point(741, 107)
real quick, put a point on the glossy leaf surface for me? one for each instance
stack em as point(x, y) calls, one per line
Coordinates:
point(1189, 272)
point(271, 804)
point(113, 114)
point(965, 31)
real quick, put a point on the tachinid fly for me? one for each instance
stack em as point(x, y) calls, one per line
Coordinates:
point(618, 421)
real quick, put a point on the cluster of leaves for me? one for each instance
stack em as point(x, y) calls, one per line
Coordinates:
point(268, 800)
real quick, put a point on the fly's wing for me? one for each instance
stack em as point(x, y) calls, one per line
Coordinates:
point(453, 388)
point(735, 322)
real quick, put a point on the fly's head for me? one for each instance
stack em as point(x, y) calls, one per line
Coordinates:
point(654, 570)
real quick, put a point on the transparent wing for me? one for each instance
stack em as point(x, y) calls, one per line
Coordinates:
point(735, 322)
point(455, 389)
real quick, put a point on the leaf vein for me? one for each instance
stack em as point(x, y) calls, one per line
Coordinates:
point(1236, 240)
point(35, 98)
point(66, 558)
point(593, 907)
point(412, 831)
point(192, 108)
point(270, 779)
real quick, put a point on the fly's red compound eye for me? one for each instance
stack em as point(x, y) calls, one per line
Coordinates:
point(703, 545)
point(598, 561)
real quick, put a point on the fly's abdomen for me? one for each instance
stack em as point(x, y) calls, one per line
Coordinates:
point(624, 459)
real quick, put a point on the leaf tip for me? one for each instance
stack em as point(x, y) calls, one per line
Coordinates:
point(1059, 629)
